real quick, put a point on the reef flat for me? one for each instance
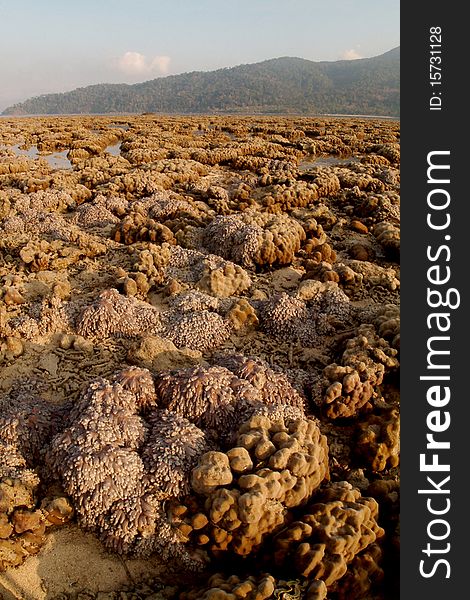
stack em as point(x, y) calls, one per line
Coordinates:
point(199, 355)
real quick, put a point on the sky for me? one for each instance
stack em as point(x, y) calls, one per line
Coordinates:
point(58, 45)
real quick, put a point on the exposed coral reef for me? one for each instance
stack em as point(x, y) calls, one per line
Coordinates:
point(199, 325)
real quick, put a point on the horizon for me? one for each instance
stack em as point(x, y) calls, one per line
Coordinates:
point(90, 44)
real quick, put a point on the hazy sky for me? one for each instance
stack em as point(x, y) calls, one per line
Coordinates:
point(55, 46)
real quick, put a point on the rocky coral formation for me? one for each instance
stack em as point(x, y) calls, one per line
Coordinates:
point(352, 384)
point(26, 424)
point(245, 493)
point(222, 587)
point(118, 468)
point(332, 531)
point(254, 238)
point(388, 236)
point(315, 311)
point(23, 522)
point(114, 314)
point(219, 397)
point(378, 440)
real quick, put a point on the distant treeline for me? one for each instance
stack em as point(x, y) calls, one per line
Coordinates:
point(281, 85)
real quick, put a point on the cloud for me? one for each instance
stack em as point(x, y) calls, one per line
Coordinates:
point(351, 54)
point(134, 63)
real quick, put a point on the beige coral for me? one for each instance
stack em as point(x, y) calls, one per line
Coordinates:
point(378, 440)
point(273, 466)
point(351, 385)
point(333, 529)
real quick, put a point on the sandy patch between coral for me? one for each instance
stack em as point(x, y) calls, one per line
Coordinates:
point(72, 561)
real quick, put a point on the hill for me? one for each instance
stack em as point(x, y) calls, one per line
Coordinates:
point(276, 86)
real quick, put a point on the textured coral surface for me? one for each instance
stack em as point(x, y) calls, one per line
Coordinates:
point(199, 355)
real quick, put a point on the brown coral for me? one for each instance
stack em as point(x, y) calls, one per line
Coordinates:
point(336, 527)
point(388, 236)
point(273, 466)
point(378, 440)
point(351, 385)
point(255, 238)
point(220, 587)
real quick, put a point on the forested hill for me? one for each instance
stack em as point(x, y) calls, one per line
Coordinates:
point(278, 86)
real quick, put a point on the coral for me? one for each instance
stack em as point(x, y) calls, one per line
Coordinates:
point(203, 236)
point(360, 178)
point(288, 317)
point(387, 321)
point(254, 238)
point(170, 452)
point(152, 262)
point(351, 385)
point(225, 280)
point(93, 215)
point(378, 440)
point(337, 525)
point(388, 236)
point(136, 227)
point(27, 423)
point(272, 386)
point(372, 275)
point(115, 315)
point(242, 316)
point(22, 526)
point(363, 576)
point(26, 426)
point(206, 396)
point(218, 397)
point(201, 330)
point(315, 311)
point(380, 207)
point(118, 467)
point(222, 587)
point(391, 151)
point(245, 493)
point(49, 316)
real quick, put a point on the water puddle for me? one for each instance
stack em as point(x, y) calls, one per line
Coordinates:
point(118, 126)
point(114, 149)
point(326, 161)
point(56, 160)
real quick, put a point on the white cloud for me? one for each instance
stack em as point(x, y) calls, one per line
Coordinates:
point(135, 63)
point(351, 54)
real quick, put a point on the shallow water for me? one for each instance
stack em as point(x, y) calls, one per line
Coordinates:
point(56, 160)
point(117, 126)
point(326, 161)
point(114, 149)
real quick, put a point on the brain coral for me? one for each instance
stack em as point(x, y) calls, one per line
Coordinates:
point(378, 440)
